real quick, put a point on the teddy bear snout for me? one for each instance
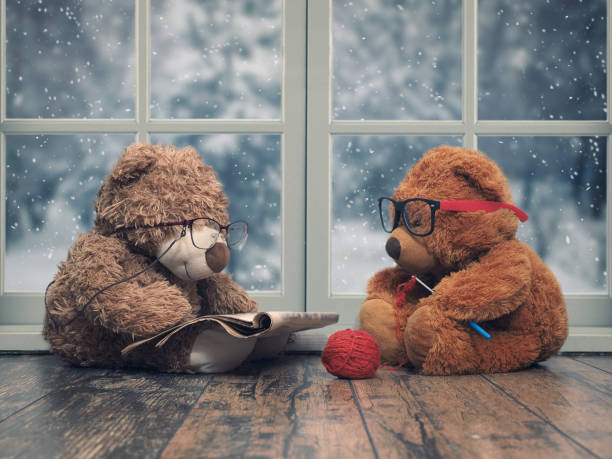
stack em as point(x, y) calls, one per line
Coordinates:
point(393, 248)
point(217, 257)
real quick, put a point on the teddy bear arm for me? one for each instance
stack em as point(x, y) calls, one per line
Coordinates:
point(383, 285)
point(140, 310)
point(490, 288)
point(97, 267)
point(221, 295)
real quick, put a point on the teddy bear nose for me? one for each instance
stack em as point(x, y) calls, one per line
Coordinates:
point(217, 257)
point(393, 248)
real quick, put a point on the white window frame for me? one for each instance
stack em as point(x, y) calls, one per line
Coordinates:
point(590, 315)
point(21, 313)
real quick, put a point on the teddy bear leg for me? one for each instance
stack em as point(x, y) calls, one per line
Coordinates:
point(437, 345)
point(377, 317)
point(507, 351)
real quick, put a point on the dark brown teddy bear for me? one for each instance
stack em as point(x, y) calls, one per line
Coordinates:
point(477, 268)
point(146, 265)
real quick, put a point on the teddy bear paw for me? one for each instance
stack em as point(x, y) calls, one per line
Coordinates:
point(419, 337)
point(377, 317)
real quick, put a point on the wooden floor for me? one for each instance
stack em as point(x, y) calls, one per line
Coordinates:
point(293, 408)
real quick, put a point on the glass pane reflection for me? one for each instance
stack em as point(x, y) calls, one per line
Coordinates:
point(365, 168)
point(249, 168)
point(561, 183)
point(51, 184)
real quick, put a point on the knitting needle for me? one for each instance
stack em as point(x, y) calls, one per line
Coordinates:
point(474, 325)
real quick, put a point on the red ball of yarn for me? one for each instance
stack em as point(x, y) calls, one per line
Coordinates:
point(351, 354)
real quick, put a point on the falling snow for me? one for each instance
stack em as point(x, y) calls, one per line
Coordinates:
point(67, 59)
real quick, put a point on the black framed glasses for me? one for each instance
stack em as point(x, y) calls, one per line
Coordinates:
point(418, 214)
point(205, 232)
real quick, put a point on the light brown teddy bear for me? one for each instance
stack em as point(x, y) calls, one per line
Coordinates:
point(153, 259)
point(453, 225)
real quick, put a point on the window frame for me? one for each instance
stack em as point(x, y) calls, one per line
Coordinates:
point(590, 315)
point(21, 313)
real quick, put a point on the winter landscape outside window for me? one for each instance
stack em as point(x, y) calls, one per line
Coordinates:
point(537, 61)
point(525, 82)
point(309, 111)
point(226, 63)
point(81, 80)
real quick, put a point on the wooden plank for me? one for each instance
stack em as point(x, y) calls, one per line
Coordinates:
point(290, 407)
point(118, 414)
point(603, 362)
point(396, 421)
point(409, 415)
point(26, 378)
point(573, 397)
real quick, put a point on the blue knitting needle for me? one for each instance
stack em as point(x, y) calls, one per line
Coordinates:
point(474, 325)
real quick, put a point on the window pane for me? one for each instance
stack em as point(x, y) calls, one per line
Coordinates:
point(51, 183)
point(542, 60)
point(70, 59)
point(215, 59)
point(561, 183)
point(397, 60)
point(249, 168)
point(365, 168)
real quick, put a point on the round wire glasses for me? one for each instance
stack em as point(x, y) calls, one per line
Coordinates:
point(205, 232)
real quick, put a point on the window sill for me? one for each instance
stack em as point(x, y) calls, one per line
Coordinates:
point(23, 338)
point(580, 339)
point(28, 338)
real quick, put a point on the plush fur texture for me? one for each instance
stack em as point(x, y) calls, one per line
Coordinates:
point(480, 272)
point(148, 185)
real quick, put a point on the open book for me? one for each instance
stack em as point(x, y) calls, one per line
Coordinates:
point(248, 325)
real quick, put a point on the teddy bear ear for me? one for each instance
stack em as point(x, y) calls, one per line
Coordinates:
point(136, 160)
point(484, 176)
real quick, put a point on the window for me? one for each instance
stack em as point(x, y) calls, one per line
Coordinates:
point(309, 110)
point(82, 80)
point(525, 82)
